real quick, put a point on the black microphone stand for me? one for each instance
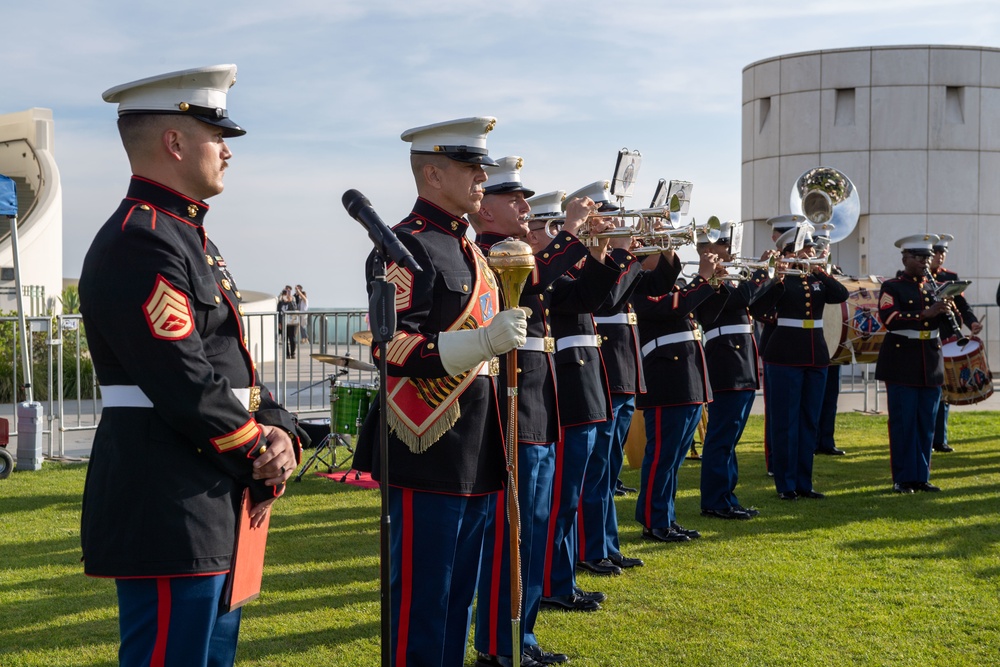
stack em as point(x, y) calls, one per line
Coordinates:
point(382, 319)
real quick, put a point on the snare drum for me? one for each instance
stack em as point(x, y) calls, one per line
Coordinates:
point(967, 377)
point(349, 404)
point(852, 329)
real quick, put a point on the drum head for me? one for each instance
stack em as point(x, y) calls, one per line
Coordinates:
point(953, 349)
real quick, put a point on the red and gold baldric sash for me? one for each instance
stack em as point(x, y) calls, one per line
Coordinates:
point(421, 410)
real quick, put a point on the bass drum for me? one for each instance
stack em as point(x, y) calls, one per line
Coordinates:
point(852, 329)
point(967, 376)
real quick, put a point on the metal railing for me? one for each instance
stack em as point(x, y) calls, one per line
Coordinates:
point(65, 384)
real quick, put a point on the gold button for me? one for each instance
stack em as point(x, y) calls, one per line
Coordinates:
point(546, 312)
point(910, 301)
point(238, 295)
point(418, 223)
point(557, 246)
point(144, 207)
point(430, 346)
point(897, 344)
point(545, 255)
point(622, 265)
point(541, 297)
point(605, 338)
point(581, 362)
point(518, 370)
point(465, 288)
point(263, 448)
point(218, 299)
point(737, 347)
point(226, 284)
point(240, 309)
point(675, 358)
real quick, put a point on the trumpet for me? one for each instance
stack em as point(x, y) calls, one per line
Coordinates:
point(643, 225)
point(744, 268)
point(823, 262)
point(659, 240)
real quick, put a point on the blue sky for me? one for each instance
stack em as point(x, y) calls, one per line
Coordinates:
point(326, 87)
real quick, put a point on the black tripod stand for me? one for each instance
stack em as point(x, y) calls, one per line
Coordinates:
point(329, 440)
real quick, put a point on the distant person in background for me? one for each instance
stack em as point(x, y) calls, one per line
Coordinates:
point(948, 334)
point(288, 323)
point(303, 306)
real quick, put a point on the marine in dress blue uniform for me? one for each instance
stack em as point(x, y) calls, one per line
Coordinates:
point(911, 364)
point(186, 426)
point(505, 213)
point(766, 322)
point(795, 363)
point(965, 317)
point(597, 521)
point(677, 388)
point(583, 397)
point(731, 358)
point(446, 451)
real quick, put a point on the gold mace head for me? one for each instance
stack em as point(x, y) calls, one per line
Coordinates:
point(513, 262)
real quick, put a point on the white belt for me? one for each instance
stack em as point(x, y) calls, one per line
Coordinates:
point(131, 396)
point(584, 340)
point(918, 335)
point(728, 331)
point(620, 318)
point(536, 344)
point(670, 339)
point(800, 324)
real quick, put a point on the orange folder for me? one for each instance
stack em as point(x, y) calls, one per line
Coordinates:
point(247, 569)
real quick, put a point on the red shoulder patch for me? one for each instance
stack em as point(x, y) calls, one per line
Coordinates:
point(168, 312)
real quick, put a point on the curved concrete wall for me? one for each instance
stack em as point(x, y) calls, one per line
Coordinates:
point(40, 232)
point(916, 128)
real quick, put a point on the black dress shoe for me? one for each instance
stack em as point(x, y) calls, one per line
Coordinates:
point(620, 486)
point(924, 486)
point(664, 535)
point(831, 451)
point(690, 532)
point(503, 661)
point(602, 567)
point(569, 603)
point(595, 596)
point(624, 561)
point(943, 447)
point(752, 511)
point(788, 495)
point(728, 513)
point(815, 495)
point(619, 492)
point(539, 655)
point(770, 473)
point(901, 488)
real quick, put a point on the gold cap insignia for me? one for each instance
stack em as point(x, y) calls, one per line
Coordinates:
point(491, 125)
point(520, 163)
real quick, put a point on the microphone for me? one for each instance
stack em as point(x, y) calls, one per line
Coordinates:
point(359, 208)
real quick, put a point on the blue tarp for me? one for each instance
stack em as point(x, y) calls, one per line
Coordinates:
point(8, 197)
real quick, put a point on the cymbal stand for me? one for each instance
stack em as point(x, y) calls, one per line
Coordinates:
point(330, 442)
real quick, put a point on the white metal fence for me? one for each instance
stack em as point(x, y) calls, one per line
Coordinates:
point(65, 385)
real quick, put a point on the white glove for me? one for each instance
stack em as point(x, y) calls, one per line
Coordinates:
point(464, 349)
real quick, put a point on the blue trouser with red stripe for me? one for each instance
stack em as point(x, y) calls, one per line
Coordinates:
point(597, 521)
point(571, 466)
point(727, 416)
point(434, 551)
point(912, 413)
point(669, 431)
point(794, 401)
point(175, 622)
point(535, 465)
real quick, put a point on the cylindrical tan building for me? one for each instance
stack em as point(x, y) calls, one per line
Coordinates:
point(916, 128)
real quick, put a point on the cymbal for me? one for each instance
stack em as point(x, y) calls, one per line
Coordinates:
point(346, 362)
point(362, 337)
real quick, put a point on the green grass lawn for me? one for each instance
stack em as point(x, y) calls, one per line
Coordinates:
point(864, 577)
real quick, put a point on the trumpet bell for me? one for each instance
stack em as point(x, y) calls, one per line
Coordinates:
point(828, 199)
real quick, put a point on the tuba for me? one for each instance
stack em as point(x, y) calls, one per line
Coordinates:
point(828, 199)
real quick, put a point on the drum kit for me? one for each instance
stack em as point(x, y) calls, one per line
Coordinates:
point(349, 406)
